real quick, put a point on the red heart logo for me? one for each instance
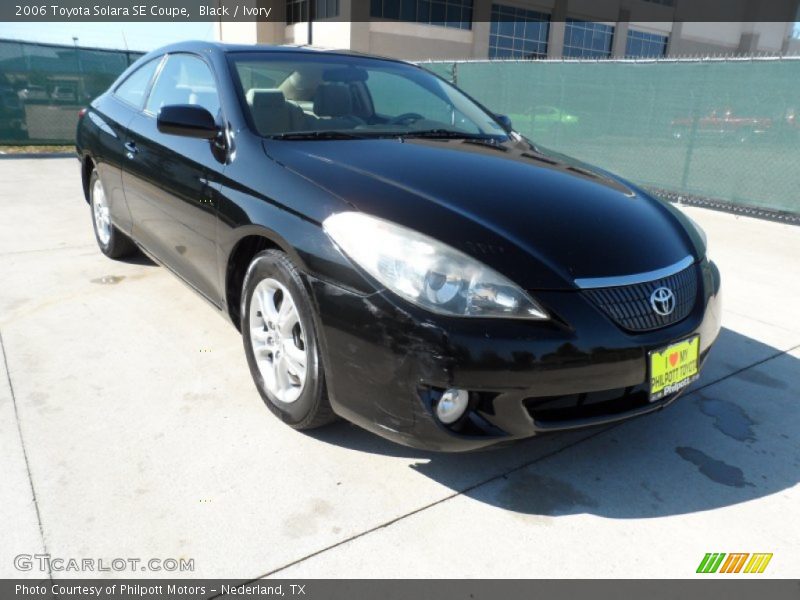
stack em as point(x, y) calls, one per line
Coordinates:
point(673, 359)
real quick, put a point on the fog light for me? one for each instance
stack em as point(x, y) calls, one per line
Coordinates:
point(452, 405)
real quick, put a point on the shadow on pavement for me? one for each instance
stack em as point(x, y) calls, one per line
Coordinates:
point(140, 258)
point(732, 440)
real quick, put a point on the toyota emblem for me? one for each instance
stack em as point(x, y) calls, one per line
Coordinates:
point(663, 301)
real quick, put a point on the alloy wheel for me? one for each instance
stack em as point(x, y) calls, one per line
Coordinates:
point(101, 213)
point(278, 340)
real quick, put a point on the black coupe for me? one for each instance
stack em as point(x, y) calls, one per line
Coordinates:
point(394, 253)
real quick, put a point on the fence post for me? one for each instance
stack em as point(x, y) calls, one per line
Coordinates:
point(692, 135)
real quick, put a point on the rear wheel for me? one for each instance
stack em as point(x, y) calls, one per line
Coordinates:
point(112, 242)
point(280, 342)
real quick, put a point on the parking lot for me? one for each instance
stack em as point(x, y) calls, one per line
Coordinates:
point(130, 428)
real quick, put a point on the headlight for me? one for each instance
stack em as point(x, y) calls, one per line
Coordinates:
point(426, 272)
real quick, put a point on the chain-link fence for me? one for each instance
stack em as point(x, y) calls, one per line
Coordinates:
point(724, 129)
point(43, 86)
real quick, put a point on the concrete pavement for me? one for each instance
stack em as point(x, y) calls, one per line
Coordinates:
point(129, 428)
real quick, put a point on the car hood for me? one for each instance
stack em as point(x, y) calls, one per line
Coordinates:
point(540, 218)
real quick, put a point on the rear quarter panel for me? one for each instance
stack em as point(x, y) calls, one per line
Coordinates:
point(100, 137)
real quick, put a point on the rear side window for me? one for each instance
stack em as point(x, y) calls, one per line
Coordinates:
point(133, 89)
point(185, 79)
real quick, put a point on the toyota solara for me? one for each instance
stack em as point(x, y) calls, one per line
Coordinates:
point(394, 253)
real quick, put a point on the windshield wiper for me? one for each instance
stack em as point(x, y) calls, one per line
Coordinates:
point(346, 135)
point(446, 134)
point(317, 135)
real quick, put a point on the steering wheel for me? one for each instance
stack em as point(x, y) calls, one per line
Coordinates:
point(406, 118)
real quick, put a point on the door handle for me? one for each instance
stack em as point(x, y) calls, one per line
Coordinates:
point(131, 149)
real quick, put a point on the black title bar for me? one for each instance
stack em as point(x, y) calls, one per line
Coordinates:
point(713, 588)
point(360, 10)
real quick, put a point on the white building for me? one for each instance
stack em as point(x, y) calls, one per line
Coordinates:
point(479, 29)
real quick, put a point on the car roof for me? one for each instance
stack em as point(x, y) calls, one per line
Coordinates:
point(228, 48)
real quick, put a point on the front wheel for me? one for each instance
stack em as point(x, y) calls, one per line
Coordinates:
point(280, 342)
point(112, 242)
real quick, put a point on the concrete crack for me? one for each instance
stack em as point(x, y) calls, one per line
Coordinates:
point(24, 451)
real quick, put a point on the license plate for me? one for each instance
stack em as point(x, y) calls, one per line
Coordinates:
point(674, 367)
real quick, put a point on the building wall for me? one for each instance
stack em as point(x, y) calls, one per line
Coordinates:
point(416, 41)
point(729, 38)
point(240, 33)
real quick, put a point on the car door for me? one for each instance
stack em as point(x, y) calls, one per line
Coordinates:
point(171, 182)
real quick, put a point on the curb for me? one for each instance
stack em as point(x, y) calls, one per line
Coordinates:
point(744, 210)
point(12, 156)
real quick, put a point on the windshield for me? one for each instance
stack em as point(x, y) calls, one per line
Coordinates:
point(319, 96)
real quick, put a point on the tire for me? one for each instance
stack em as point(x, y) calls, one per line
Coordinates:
point(111, 241)
point(274, 339)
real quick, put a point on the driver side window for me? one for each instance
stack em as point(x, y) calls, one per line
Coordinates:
point(184, 79)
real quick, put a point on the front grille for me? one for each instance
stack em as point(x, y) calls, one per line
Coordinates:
point(629, 305)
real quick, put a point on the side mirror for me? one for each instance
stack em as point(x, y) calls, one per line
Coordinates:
point(188, 120)
point(504, 121)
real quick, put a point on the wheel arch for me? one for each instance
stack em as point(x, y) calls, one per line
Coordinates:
point(250, 241)
point(87, 166)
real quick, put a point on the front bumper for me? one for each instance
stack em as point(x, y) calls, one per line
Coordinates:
point(386, 360)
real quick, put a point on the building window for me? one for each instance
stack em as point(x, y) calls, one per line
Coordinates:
point(297, 10)
point(586, 39)
point(518, 33)
point(645, 45)
point(444, 13)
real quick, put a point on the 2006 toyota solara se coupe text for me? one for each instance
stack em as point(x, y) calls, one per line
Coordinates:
point(392, 252)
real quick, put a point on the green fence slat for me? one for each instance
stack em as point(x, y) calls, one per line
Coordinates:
point(726, 129)
point(721, 129)
point(43, 86)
